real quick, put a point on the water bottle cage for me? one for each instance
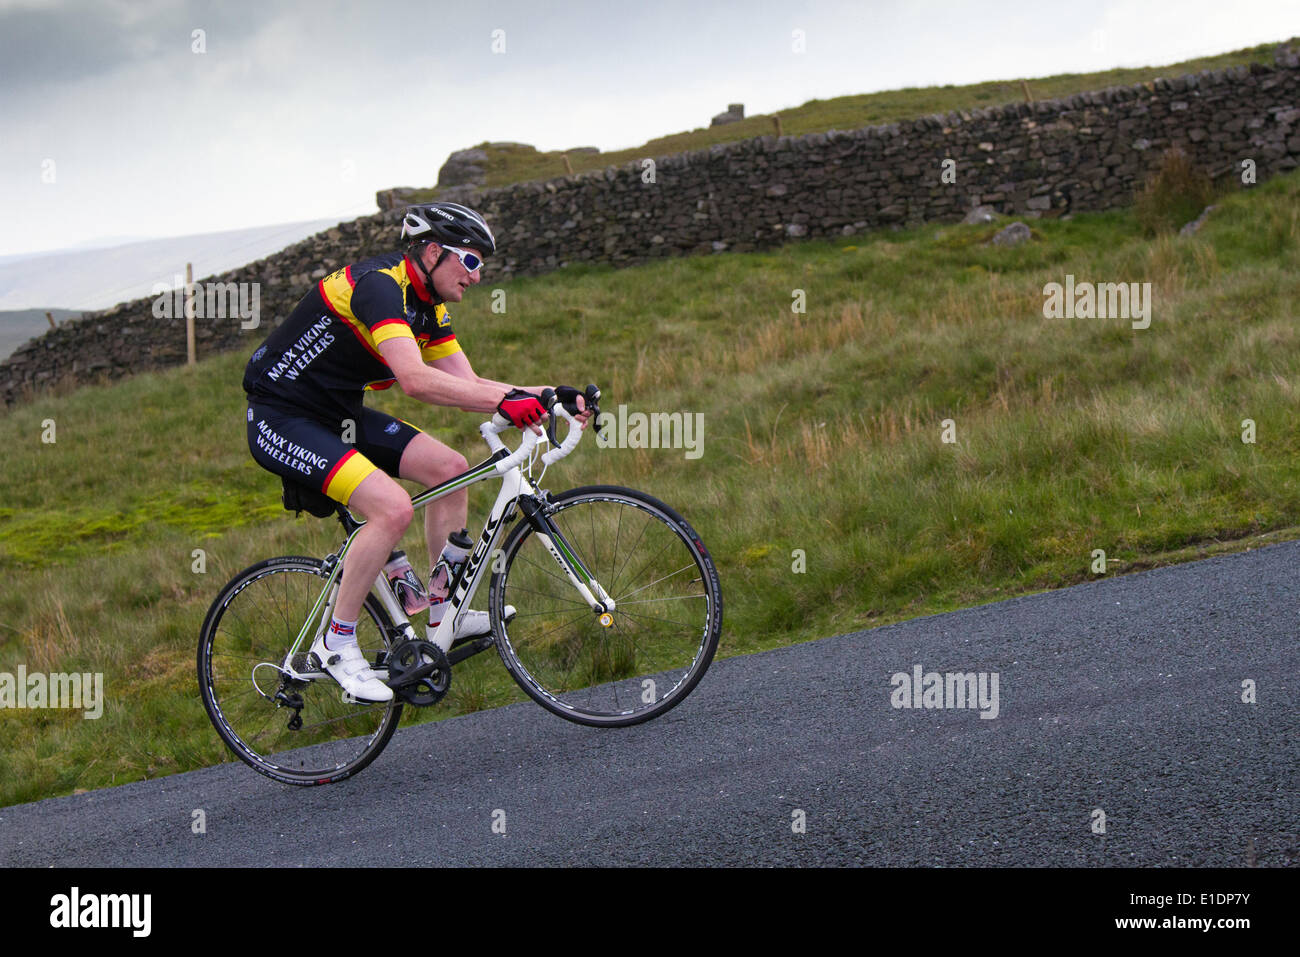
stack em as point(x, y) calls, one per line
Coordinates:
point(455, 571)
point(454, 574)
point(407, 581)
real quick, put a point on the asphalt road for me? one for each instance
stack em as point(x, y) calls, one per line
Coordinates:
point(1120, 697)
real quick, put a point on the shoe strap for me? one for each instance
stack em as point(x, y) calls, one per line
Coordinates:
point(353, 663)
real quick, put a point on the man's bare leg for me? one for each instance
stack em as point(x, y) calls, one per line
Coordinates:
point(387, 510)
point(430, 462)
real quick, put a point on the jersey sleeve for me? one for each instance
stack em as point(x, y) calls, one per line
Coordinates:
point(441, 340)
point(378, 304)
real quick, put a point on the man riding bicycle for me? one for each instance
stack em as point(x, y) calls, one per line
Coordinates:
point(364, 327)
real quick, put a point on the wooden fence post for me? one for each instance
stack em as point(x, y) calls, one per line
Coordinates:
point(189, 314)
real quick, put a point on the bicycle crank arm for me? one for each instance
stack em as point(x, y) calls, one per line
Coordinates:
point(469, 649)
point(408, 678)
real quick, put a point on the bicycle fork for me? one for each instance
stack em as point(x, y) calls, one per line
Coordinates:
point(596, 597)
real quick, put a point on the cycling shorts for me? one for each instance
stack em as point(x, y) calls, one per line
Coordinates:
point(318, 453)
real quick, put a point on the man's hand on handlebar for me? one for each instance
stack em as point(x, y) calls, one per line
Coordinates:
point(523, 409)
point(575, 403)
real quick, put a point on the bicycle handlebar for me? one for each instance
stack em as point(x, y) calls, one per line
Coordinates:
point(491, 429)
point(570, 441)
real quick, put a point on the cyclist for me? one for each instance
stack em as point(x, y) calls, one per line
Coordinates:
point(374, 323)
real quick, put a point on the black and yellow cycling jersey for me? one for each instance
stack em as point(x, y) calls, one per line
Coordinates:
point(324, 356)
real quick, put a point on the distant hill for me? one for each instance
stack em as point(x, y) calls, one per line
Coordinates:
point(19, 325)
point(85, 279)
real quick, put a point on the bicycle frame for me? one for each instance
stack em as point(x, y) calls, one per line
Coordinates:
point(516, 491)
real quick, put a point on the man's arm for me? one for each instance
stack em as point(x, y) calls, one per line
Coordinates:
point(437, 386)
point(457, 364)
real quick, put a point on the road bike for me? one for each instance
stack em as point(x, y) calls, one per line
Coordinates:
point(617, 616)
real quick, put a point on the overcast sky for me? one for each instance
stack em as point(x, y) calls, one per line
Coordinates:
point(114, 126)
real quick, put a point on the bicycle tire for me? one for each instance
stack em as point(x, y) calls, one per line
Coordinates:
point(591, 673)
point(236, 701)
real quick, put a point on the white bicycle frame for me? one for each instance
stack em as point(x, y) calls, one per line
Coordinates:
point(514, 485)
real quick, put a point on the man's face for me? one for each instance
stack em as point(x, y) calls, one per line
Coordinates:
point(451, 279)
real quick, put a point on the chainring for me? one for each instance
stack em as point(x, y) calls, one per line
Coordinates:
point(404, 659)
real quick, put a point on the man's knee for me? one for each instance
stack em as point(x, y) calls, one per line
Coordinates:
point(456, 463)
point(429, 461)
point(382, 501)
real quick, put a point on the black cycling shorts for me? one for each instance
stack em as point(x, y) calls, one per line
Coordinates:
point(318, 454)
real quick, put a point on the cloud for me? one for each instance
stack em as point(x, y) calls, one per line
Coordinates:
point(57, 44)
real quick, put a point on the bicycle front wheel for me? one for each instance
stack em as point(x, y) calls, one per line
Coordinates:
point(284, 717)
point(661, 636)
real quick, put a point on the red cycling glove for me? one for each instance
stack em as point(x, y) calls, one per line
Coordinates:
point(521, 408)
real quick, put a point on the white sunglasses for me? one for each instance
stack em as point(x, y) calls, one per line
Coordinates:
point(471, 261)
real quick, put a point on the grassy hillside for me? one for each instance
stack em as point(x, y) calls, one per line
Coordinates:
point(516, 164)
point(822, 440)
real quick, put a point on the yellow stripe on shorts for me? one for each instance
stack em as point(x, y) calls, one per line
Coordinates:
point(343, 480)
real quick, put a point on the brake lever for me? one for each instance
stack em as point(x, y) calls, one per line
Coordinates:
point(591, 394)
point(591, 403)
point(548, 403)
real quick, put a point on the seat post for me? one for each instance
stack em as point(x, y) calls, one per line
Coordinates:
point(349, 523)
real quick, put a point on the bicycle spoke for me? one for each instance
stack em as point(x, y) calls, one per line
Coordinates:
point(646, 601)
point(346, 717)
point(653, 583)
point(540, 614)
point(549, 574)
point(632, 550)
point(652, 618)
point(534, 591)
point(258, 658)
point(552, 631)
point(262, 730)
point(665, 547)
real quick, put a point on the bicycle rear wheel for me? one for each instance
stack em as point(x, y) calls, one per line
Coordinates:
point(664, 628)
point(293, 724)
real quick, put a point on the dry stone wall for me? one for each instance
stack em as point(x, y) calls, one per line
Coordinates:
point(1085, 152)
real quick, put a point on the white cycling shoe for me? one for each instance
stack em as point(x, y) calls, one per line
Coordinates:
point(348, 666)
point(473, 624)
